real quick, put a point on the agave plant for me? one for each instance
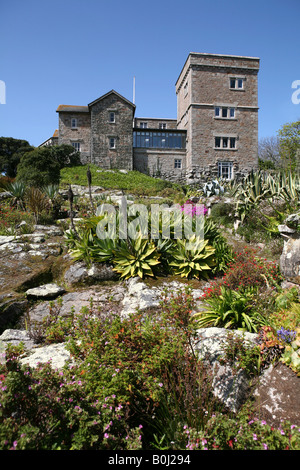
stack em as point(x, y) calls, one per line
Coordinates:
point(17, 190)
point(51, 191)
point(192, 258)
point(87, 246)
point(231, 309)
point(80, 245)
point(136, 257)
point(213, 188)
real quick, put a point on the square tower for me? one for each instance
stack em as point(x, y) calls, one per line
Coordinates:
point(217, 105)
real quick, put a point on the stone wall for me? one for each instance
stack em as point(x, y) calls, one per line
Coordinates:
point(81, 134)
point(160, 163)
point(204, 83)
point(102, 130)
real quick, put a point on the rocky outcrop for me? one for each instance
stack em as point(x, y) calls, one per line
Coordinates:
point(47, 291)
point(80, 274)
point(290, 257)
point(230, 386)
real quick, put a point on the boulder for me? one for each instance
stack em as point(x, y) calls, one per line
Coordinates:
point(79, 273)
point(14, 337)
point(290, 257)
point(277, 395)
point(229, 385)
point(140, 296)
point(55, 354)
point(47, 291)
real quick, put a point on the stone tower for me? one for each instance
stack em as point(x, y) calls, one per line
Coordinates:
point(217, 105)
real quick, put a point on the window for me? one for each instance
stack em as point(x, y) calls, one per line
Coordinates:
point(224, 112)
point(225, 170)
point(76, 146)
point(162, 125)
point(225, 142)
point(153, 139)
point(112, 143)
point(217, 142)
point(177, 163)
point(74, 123)
point(112, 117)
point(237, 83)
point(143, 125)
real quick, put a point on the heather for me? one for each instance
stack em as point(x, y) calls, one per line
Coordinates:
point(131, 384)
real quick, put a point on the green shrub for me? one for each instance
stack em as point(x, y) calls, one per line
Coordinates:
point(11, 217)
point(38, 169)
point(242, 433)
point(231, 309)
point(114, 395)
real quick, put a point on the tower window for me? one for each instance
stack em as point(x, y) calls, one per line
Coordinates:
point(225, 143)
point(237, 83)
point(112, 117)
point(74, 123)
point(224, 112)
point(112, 143)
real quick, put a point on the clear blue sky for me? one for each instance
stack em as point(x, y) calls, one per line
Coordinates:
point(74, 51)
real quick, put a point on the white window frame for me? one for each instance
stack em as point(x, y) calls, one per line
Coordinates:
point(225, 142)
point(237, 81)
point(225, 170)
point(77, 146)
point(178, 163)
point(74, 123)
point(143, 125)
point(112, 143)
point(162, 125)
point(219, 111)
point(112, 117)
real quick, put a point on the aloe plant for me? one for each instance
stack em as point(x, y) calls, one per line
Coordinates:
point(192, 258)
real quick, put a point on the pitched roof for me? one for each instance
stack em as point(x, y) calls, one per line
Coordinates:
point(110, 93)
point(66, 108)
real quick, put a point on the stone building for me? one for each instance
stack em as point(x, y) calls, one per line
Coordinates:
point(215, 133)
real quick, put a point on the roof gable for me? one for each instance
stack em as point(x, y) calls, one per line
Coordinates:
point(110, 93)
